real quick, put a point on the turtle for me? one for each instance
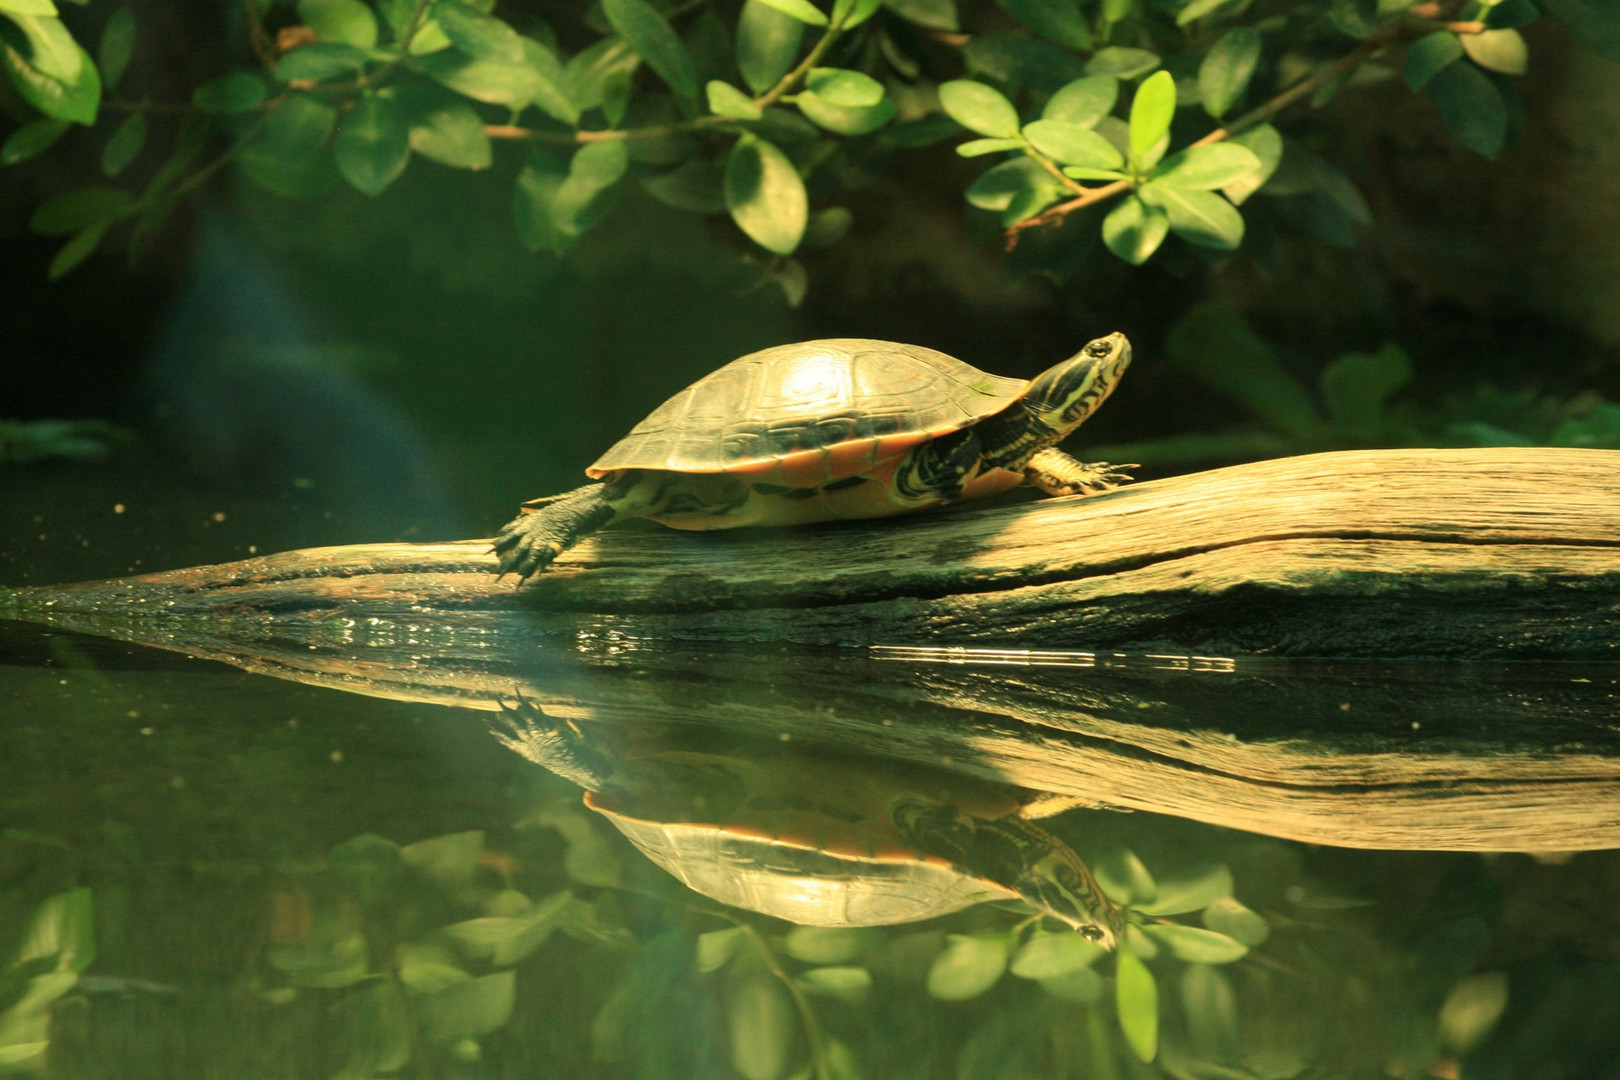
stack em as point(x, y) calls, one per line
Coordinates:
point(832, 429)
point(816, 839)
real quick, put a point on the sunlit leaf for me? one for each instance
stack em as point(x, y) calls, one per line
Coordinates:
point(1227, 69)
point(448, 862)
point(845, 121)
point(933, 14)
point(1081, 172)
point(1206, 168)
point(1083, 986)
point(32, 140)
point(1136, 995)
point(76, 100)
point(62, 930)
point(1197, 9)
point(762, 1026)
point(1123, 876)
point(839, 86)
point(347, 21)
point(1046, 956)
point(980, 147)
point(1498, 50)
point(294, 132)
point(1084, 101)
point(726, 100)
point(372, 148)
point(650, 34)
point(1471, 1010)
point(802, 11)
point(552, 95)
point(319, 62)
point(716, 948)
point(766, 195)
point(847, 14)
point(1179, 895)
point(1198, 217)
point(1266, 145)
point(967, 967)
point(481, 36)
point(843, 982)
point(476, 1007)
point(1151, 111)
point(831, 944)
point(116, 47)
point(28, 7)
point(767, 43)
point(1122, 62)
point(124, 145)
point(1427, 55)
point(444, 128)
point(979, 108)
point(51, 49)
point(1072, 144)
point(999, 185)
point(1196, 945)
point(427, 969)
point(1133, 230)
point(1471, 108)
point(1228, 916)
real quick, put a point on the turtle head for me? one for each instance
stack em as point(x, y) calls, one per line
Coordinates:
point(1062, 397)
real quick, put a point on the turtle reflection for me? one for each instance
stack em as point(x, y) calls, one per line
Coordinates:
point(815, 839)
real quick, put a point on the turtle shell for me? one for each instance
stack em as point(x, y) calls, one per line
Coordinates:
point(823, 410)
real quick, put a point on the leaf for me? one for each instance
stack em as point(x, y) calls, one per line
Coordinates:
point(716, 948)
point(726, 100)
point(1512, 14)
point(1133, 230)
point(1151, 111)
point(1227, 69)
point(427, 969)
point(449, 862)
point(71, 211)
point(1197, 9)
point(239, 91)
point(1228, 916)
point(802, 11)
point(1266, 145)
point(556, 204)
point(1137, 997)
point(482, 80)
point(298, 128)
point(998, 186)
point(767, 43)
point(551, 96)
point(1427, 55)
point(850, 89)
point(124, 145)
point(1122, 62)
point(1213, 343)
point(1502, 51)
point(979, 147)
point(1198, 217)
point(478, 35)
point(846, 15)
point(1471, 108)
point(979, 108)
point(762, 1025)
point(1194, 945)
point(1080, 172)
point(1082, 986)
point(831, 944)
point(1046, 956)
point(1206, 168)
point(933, 14)
point(1125, 878)
point(766, 195)
point(116, 47)
point(1209, 1012)
point(1596, 23)
point(827, 227)
point(77, 100)
point(967, 967)
point(346, 21)
point(1357, 18)
point(845, 983)
point(1022, 60)
point(1471, 1010)
point(465, 1010)
point(32, 140)
point(694, 186)
point(1084, 101)
point(445, 129)
point(845, 121)
point(28, 7)
point(61, 933)
point(51, 49)
point(1058, 21)
point(1180, 895)
point(372, 148)
point(321, 61)
point(506, 939)
point(649, 33)
point(1356, 385)
point(1072, 144)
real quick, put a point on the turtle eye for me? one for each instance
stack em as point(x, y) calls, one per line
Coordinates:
point(1092, 933)
point(1098, 349)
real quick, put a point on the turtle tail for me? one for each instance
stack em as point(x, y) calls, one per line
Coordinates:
point(529, 542)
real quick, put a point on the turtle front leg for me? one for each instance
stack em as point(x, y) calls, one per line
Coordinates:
point(529, 542)
point(1056, 473)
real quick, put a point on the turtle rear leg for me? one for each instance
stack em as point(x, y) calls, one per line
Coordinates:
point(529, 542)
point(1056, 473)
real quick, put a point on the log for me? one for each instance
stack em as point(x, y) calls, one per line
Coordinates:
point(1479, 555)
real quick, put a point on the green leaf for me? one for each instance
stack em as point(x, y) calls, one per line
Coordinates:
point(480, 36)
point(1072, 144)
point(552, 96)
point(319, 62)
point(506, 939)
point(1209, 1013)
point(1084, 101)
point(427, 969)
point(73, 210)
point(449, 862)
point(1595, 22)
point(1502, 51)
point(1046, 956)
point(1213, 343)
point(1228, 916)
point(827, 227)
point(842, 120)
point(1197, 9)
point(1227, 69)
point(1133, 230)
point(831, 944)
point(845, 983)
point(61, 933)
point(1180, 895)
point(1194, 945)
point(1082, 986)
point(979, 108)
point(1080, 172)
point(1427, 55)
point(346, 21)
point(51, 50)
point(979, 147)
point(297, 129)
point(1206, 168)
point(766, 195)
point(445, 129)
point(239, 91)
point(762, 1025)
point(1151, 111)
point(1022, 60)
point(694, 186)
point(1198, 217)
point(1055, 20)
point(802, 11)
point(1266, 145)
point(77, 100)
point(373, 145)
point(767, 43)
point(117, 46)
point(850, 89)
point(1137, 997)
point(967, 967)
point(921, 132)
point(465, 1010)
point(1512, 14)
point(482, 80)
point(649, 33)
point(32, 140)
point(848, 14)
point(557, 204)
point(1122, 62)
point(28, 7)
point(1356, 385)
point(999, 185)
point(1471, 108)
point(727, 100)
point(716, 948)
point(933, 14)
point(124, 145)
point(1357, 18)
